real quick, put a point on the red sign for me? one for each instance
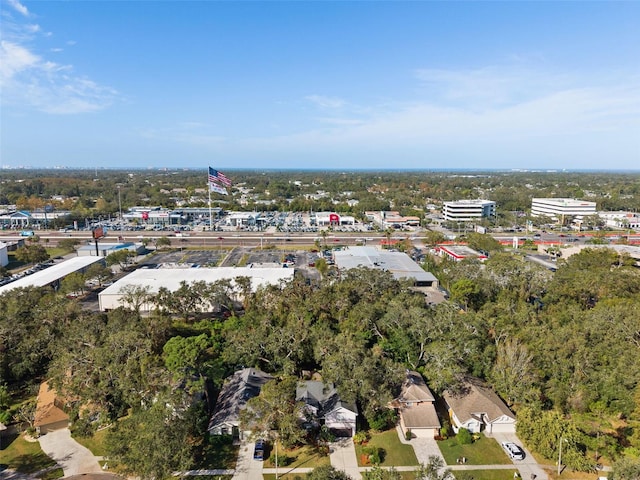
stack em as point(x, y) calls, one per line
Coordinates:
point(334, 218)
point(98, 233)
point(145, 215)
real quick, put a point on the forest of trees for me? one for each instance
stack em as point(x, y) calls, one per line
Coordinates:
point(562, 350)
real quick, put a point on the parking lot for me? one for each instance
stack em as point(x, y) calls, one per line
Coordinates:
point(238, 256)
point(202, 258)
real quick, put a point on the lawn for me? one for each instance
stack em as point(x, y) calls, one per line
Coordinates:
point(57, 252)
point(25, 457)
point(303, 457)
point(395, 453)
point(52, 474)
point(95, 443)
point(484, 451)
point(569, 475)
point(219, 453)
point(486, 474)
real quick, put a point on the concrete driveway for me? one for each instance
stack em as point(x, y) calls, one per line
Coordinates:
point(343, 457)
point(69, 454)
point(528, 467)
point(246, 467)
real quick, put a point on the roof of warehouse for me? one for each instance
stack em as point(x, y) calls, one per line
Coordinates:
point(171, 278)
point(51, 274)
point(398, 263)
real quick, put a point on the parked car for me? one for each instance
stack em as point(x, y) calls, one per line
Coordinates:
point(258, 451)
point(513, 450)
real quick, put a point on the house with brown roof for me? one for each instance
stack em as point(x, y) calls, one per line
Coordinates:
point(415, 406)
point(49, 415)
point(476, 407)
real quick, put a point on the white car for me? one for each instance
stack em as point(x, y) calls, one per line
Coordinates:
point(513, 450)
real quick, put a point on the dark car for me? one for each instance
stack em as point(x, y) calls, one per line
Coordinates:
point(258, 451)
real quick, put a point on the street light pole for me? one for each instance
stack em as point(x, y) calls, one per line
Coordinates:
point(560, 455)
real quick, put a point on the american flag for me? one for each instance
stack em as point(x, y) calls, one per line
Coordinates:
point(217, 177)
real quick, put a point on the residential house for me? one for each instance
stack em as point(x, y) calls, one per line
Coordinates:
point(476, 407)
point(324, 404)
point(237, 390)
point(49, 414)
point(416, 409)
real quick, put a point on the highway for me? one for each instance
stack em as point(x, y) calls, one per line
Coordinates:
point(257, 239)
point(211, 239)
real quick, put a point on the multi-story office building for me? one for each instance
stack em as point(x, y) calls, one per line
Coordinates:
point(561, 208)
point(468, 210)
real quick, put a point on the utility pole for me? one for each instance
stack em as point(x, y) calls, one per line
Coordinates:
point(560, 456)
point(120, 207)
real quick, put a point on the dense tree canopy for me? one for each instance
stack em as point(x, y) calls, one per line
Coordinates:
point(551, 345)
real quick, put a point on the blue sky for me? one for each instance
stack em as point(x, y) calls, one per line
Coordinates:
point(336, 85)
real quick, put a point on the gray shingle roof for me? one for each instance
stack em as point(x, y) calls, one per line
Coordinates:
point(237, 390)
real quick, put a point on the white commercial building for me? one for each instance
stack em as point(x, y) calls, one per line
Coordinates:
point(52, 275)
point(560, 208)
point(624, 220)
point(105, 249)
point(458, 253)
point(242, 219)
point(4, 255)
point(468, 210)
point(153, 279)
point(324, 219)
point(398, 263)
point(393, 219)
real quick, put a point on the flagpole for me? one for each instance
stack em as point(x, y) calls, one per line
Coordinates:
point(210, 214)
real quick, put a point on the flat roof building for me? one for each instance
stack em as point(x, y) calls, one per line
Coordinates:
point(4, 255)
point(398, 263)
point(105, 249)
point(459, 252)
point(171, 278)
point(52, 275)
point(560, 208)
point(392, 219)
point(324, 219)
point(626, 220)
point(468, 210)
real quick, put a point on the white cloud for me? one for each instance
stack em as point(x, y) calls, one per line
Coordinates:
point(325, 102)
point(30, 80)
point(14, 59)
point(18, 7)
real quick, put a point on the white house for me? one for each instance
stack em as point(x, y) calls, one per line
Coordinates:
point(323, 402)
point(476, 407)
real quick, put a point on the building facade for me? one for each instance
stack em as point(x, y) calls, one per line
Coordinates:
point(559, 209)
point(468, 210)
